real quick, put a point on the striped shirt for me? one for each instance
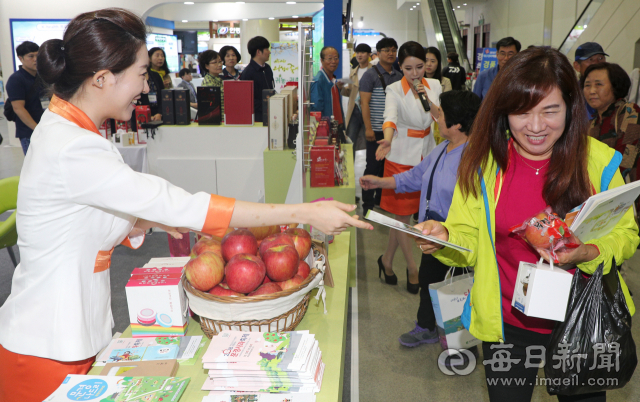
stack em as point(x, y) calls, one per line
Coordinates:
point(370, 82)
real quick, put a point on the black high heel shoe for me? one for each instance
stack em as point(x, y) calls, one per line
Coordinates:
point(388, 279)
point(412, 287)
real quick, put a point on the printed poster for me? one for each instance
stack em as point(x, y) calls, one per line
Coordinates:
point(284, 63)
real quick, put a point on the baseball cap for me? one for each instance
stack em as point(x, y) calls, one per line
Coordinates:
point(587, 50)
point(363, 47)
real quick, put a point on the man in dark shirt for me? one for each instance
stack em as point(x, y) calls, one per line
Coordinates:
point(455, 72)
point(24, 93)
point(259, 72)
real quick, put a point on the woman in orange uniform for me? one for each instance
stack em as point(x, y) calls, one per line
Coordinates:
point(77, 200)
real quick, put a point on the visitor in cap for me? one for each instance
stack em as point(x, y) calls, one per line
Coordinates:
point(374, 57)
point(587, 54)
point(506, 48)
point(354, 122)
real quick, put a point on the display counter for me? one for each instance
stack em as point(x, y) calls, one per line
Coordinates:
point(330, 330)
point(223, 160)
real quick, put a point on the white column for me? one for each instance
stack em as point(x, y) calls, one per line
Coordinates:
point(248, 29)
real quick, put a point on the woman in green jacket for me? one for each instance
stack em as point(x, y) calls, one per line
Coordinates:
point(528, 149)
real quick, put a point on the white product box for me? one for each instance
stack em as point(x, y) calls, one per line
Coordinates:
point(278, 122)
point(157, 306)
point(542, 291)
point(292, 92)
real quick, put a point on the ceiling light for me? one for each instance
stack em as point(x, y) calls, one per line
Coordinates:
point(458, 6)
point(271, 18)
point(291, 2)
point(585, 27)
point(245, 19)
point(214, 20)
point(188, 3)
point(185, 20)
point(294, 16)
point(417, 4)
point(361, 22)
point(464, 4)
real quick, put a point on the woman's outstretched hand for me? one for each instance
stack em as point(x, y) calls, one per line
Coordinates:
point(330, 217)
point(432, 228)
point(384, 146)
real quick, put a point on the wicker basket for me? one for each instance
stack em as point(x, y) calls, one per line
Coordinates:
point(281, 311)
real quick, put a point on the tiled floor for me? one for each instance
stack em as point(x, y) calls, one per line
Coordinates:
point(387, 371)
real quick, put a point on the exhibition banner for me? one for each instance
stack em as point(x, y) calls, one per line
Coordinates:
point(284, 63)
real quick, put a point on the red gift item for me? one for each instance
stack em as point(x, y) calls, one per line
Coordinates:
point(546, 231)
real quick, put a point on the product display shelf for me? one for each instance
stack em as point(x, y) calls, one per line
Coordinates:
point(330, 330)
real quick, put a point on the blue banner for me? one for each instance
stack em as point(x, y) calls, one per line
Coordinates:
point(489, 58)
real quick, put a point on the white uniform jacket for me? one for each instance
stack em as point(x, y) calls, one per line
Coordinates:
point(77, 199)
point(406, 115)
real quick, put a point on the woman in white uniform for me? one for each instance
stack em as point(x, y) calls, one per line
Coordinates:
point(77, 200)
point(406, 141)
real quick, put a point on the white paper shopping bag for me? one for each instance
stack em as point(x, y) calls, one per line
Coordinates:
point(448, 299)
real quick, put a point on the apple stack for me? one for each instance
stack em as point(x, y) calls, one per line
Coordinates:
point(250, 262)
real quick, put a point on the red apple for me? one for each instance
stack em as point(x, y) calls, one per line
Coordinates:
point(205, 271)
point(244, 273)
point(222, 291)
point(291, 283)
point(240, 241)
point(264, 231)
point(281, 262)
point(266, 289)
point(303, 270)
point(275, 240)
point(206, 245)
point(302, 240)
point(266, 279)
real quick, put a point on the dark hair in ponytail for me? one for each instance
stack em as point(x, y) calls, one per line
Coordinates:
point(106, 39)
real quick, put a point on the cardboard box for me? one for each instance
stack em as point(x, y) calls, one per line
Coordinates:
point(238, 103)
point(149, 368)
point(292, 102)
point(122, 125)
point(209, 106)
point(157, 307)
point(168, 113)
point(142, 115)
point(322, 166)
point(167, 262)
point(181, 107)
point(266, 94)
point(157, 270)
point(542, 291)
point(278, 123)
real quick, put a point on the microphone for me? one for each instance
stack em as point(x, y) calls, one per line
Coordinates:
point(423, 97)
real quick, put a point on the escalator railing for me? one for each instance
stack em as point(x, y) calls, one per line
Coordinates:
point(447, 31)
point(581, 24)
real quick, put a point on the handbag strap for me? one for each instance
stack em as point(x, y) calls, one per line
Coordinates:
point(430, 186)
point(493, 244)
point(384, 84)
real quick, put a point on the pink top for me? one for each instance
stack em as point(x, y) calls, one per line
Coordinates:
point(520, 199)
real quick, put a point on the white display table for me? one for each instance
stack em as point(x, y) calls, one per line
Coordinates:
point(135, 156)
point(223, 160)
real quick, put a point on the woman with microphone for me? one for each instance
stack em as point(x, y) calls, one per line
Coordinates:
point(407, 139)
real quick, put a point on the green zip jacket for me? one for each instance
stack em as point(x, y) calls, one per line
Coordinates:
point(467, 226)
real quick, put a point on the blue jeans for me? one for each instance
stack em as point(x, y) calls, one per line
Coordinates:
point(25, 144)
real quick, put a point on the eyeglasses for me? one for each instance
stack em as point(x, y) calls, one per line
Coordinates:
point(389, 50)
